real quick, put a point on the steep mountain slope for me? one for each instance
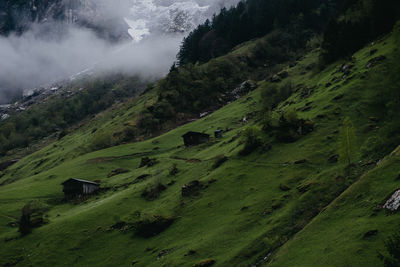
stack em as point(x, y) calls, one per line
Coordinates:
point(239, 211)
point(352, 230)
point(18, 17)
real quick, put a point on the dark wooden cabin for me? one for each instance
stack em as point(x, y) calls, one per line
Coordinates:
point(75, 188)
point(195, 138)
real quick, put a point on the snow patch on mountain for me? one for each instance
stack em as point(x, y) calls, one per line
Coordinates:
point(154, 17)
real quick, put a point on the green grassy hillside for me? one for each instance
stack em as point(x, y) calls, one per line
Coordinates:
point(244, 209)
point(339, 235)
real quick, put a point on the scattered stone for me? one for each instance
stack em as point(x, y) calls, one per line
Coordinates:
point(292, 65)
point(117, 172)
point(205, 263)
point(203, 114)
point(244, 208)
point(370, 233)
point(243, 89)
point(333, 158)
point(393, 203)
point(134, 262)
point(328, 85)
point(346, 68)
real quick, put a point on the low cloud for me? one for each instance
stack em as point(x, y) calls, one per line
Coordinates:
point(54, 51)
point(28, 61)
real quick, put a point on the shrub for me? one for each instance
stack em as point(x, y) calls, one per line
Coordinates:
point(153, 226)
point(32, 216)
point(393, 249)
point(153, 192)
point(146, 161)
point(101, 140)
point(252, 140)
point(174, 169)
point(289, 127)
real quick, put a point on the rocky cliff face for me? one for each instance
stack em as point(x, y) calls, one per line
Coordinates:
point(17, 16)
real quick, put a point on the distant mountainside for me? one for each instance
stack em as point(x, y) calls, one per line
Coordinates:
point(17, 17)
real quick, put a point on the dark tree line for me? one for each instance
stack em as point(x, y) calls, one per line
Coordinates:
point(347, 25)
point(251, 19)
point(345, 36)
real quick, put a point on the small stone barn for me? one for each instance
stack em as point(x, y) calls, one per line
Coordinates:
point(195, 138)
point(74, 188)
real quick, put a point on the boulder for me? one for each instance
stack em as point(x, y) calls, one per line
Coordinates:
point(275, 78)
point(393, 203)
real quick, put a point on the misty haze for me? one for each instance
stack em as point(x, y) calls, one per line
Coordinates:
point(141, 36)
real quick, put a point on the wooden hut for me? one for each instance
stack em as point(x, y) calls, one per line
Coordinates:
point(76, 188)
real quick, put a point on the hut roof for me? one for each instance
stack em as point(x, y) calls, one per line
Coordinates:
point(195, 133)
point(80, 180)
